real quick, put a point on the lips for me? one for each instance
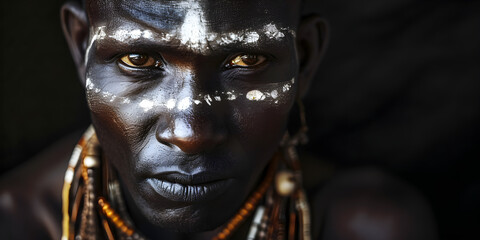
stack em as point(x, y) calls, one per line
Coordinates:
point(179, 187)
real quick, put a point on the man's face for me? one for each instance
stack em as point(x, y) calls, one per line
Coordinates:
point(190, 100)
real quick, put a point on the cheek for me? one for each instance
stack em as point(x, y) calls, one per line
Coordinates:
point(115, 114)
point(260, 127)
point(118, 128)
point(262, 123)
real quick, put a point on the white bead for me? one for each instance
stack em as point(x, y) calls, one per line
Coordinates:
point(285, 183)
point(90, 162)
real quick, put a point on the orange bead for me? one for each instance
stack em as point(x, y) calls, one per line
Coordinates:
point(108, 212)
point(238, 218)
point(243, 212)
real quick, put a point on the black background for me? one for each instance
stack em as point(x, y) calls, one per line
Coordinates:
point(41, 98)
point(398, 88)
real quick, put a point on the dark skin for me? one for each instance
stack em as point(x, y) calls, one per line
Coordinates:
point(210, 155)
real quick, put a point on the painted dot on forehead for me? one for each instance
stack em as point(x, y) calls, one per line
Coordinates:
point(193, 31)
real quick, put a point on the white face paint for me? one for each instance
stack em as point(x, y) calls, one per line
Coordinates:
point(255, 95)
point(231, 96)
point(271, 31)
point(196, 39)
point(146, 105)
point(123, 35)
point(193, 34)
point(274, 94)
point(286, 87)
point(98, 34)
point(171, 103)
point(208, 99)
point(183, 104)
point(110, 97)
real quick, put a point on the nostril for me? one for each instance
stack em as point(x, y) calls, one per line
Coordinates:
point(163, 138)
point(163, 132)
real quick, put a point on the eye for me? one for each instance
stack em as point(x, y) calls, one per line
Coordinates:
point(246, 60)
point(136, 60)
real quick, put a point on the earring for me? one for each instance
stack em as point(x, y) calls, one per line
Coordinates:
point(289, 143)
point(288, 182)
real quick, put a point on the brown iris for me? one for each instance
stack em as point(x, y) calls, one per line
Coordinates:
point(136, 60)
point(246, 60)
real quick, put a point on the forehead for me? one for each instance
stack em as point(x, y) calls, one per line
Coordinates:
point(216, 15)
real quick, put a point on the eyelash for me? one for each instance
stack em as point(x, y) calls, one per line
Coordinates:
point(128, 61)
point(234, 61)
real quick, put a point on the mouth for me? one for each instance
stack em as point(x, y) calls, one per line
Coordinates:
point(186, 188)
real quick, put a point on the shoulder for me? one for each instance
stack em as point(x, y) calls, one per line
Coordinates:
point(369, 203)
point(30, 195)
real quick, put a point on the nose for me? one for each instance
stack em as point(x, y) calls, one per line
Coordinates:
point(196, 131)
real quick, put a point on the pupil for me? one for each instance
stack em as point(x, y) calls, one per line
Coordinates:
point(249, 59)
point(138, 59)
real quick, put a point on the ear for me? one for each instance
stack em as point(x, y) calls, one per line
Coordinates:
point(75, 29)
point(311, 45)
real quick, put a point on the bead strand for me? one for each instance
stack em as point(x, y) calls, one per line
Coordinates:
point(114, 217)
point(249, 205)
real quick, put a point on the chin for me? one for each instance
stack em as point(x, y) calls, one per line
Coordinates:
point(193, 217)
point(190, 219)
